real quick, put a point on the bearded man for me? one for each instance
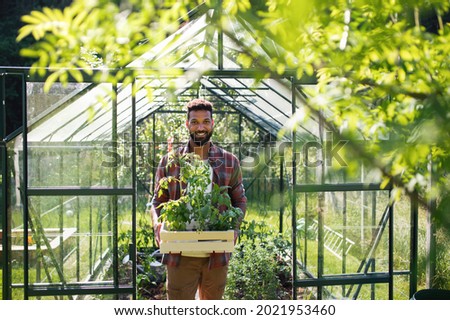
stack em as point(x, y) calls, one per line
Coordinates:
point(192, 272)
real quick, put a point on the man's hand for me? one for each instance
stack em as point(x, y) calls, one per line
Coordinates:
point(157, 230)
point(236, 235)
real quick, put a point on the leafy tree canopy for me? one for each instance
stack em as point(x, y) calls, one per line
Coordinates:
point(382, 67)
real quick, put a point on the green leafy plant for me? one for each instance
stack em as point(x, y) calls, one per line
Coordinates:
point(197, 207)
point(260, 267)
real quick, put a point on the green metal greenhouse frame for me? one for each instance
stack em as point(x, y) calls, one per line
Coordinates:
point(222, 76)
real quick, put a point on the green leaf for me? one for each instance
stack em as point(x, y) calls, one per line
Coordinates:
point(51, 79)
point(29, 53)
point(385, 182)
point(76, 74)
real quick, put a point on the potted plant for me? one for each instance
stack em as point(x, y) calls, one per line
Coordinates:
point(199, 220)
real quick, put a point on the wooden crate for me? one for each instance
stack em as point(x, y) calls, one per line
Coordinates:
point(196, 241)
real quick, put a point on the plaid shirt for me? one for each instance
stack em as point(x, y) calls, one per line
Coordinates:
point(226, 172)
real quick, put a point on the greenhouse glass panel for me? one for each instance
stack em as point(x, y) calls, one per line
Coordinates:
point(85, 117)
point(351, 222)
point(327, 161)
point(79, 187)
point(82, 142)
point(187, 38)
point(72, 240)
point(378, 291)
point(14, 219)
point(196, 45)
point(40, 104)
point(401, 286)
point(343, 233)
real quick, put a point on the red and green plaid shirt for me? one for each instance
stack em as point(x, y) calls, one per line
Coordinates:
point(226, 172)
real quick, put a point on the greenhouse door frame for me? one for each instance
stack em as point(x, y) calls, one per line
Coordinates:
point(6, 136)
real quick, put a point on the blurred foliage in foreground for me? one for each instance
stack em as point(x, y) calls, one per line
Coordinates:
point(382, 68)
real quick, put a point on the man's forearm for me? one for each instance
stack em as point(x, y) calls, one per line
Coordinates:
point(154, 215)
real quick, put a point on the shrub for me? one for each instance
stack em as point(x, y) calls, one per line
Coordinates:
point(259, 269)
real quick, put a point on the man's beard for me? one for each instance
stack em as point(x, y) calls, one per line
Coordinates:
point(201, 142)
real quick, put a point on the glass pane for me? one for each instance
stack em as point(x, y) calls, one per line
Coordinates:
point(85, 297)
point(350, 229)
point(402, 228)
point(79, 165)
point(72, 240)
point(379, 291)
point(40, 103)
point(84, 140)
point(15, 215)
point(401, 287)
point(356, 292)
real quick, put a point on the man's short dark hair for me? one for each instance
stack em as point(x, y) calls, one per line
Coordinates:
point(199, 104)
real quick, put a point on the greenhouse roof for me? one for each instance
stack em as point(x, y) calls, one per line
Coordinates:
point(267, 103)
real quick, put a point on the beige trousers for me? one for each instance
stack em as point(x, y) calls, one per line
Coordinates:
point(192, 274)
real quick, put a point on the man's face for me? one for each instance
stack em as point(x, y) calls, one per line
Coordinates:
point(200, 125)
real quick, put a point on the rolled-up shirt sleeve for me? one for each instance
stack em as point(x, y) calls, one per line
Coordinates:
point(237, 190)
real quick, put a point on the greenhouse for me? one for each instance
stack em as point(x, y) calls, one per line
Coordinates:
point(78, 165)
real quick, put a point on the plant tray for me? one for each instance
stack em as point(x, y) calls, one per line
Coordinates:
point(196, 241)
